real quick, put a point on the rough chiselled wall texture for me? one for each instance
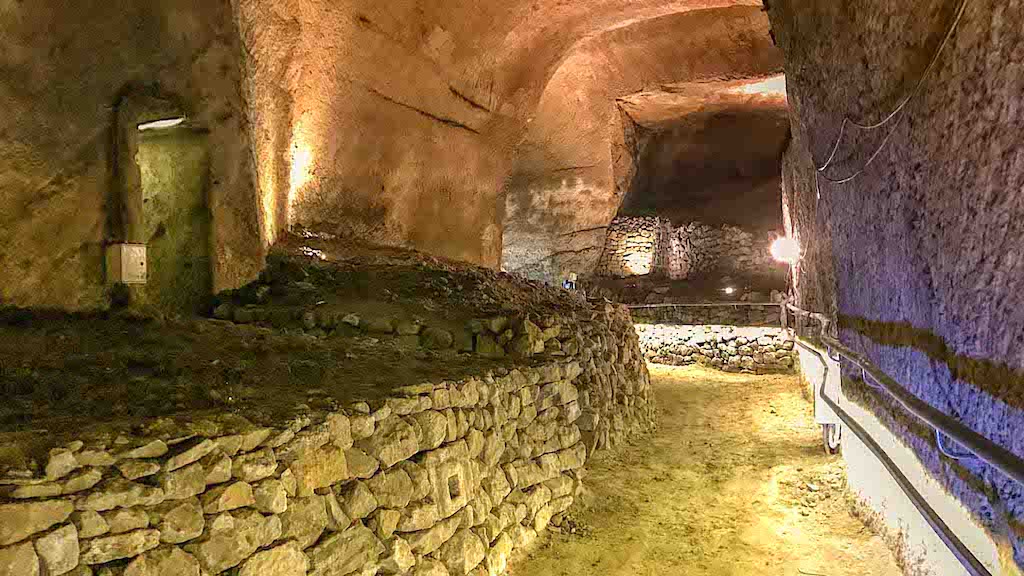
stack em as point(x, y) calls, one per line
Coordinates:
point(64, 68)
point(925, 242)
point(577, 157)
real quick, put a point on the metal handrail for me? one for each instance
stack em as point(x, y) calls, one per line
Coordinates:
point(942, 530)
point(701, 304)
point(991, 453)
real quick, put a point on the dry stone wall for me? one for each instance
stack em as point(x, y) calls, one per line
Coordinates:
point(636, 246)
point(438, 478)
point(719, 314)
point(747, 349)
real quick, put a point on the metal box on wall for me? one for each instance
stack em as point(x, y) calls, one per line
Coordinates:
point(126, 263)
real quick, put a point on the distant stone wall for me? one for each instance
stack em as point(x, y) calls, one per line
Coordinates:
point(730, 348)
point(722, 314)
point(696, 249)
point(637, 246)
point(437, 478)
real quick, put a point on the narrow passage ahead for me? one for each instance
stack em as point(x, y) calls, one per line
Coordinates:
point(734, 482)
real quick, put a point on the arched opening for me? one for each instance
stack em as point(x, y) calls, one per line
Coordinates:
point(162, 222)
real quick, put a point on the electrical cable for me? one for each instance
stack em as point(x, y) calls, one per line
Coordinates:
point(962, 553)
point(896, 111)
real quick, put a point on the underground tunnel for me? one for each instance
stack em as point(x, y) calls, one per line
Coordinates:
point(464, 287)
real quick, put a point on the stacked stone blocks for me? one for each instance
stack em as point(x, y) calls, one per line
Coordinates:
point(443, 478)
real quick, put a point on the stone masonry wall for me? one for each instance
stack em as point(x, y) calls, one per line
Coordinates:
point(722, 314)
point(636, 246)
point(745, 349)
point(697, 249)
point(438, 478)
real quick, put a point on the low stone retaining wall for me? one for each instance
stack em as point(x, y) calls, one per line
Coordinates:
point(730, 348)
point(712, 314)
point(438, 478)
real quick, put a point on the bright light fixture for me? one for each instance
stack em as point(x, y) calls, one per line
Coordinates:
point(729, 290)
point(162, 124)
point(785, 249)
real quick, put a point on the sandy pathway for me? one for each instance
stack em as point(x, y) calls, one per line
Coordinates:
point(733, 483)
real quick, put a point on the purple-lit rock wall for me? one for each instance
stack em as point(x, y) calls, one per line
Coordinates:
point(925, 243)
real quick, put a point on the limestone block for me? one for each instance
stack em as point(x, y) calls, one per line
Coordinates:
point(427, 541)
point(190, 455)
point(89, 524)
point(119, 493)
point(254, 466)
point(462, 552)
point(304, 520)
point(360, 464)
point(284, 560)
point(19, 560)
point(384, 522)
point(497, 557)
point(164, 561)
point(339, 429)
point(228, 497)
point(217, 466)
point(451, 486)
point(362, 426)
point(184, 482)
point(344, 552)
point(420, 477)
point(392, 488)
point(399, 558)
point(230, 445)
point(58, 550)
point(319, 468)
point(418, 516)
point(254, 438)
point(126, 519)
point(393, 441)
point(96, 457)
point(270, 496)
point(358, 501)
point(178, 521)
point(434, 427)
point(239, 537)
point(23, 519)
point(133, 469)
point(61, 463)
point(127, 545)
point(430, 567)
point(337, 520)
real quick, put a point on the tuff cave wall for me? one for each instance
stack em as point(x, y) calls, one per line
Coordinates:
point(924, 243)
point(376, 120)
point(64, 69)
point(577, 158)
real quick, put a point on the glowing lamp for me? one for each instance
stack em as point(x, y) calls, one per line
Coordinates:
point(729, 290)
point(162, 124)
point(785, 249)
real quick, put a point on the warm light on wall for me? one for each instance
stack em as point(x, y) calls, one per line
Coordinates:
point(774, 86)
point(301, 171)
point(786, 250)
point(639, 263)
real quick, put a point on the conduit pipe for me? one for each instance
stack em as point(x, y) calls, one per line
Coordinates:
point(970, 562)
point(991, 453)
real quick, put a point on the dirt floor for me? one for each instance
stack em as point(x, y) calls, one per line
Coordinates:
point(734, 482)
